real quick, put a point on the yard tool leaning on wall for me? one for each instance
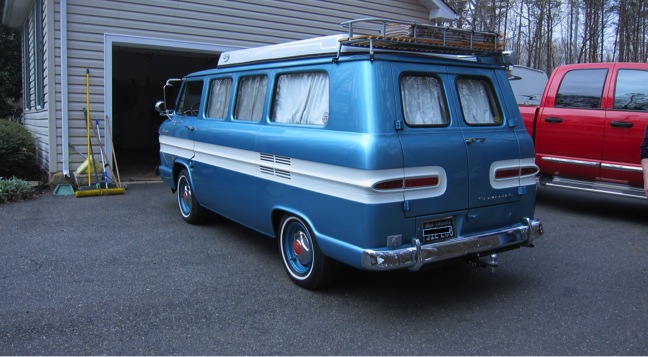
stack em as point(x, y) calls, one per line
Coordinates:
point(98, 189)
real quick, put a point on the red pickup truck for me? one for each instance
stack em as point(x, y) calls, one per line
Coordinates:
point(589, 125)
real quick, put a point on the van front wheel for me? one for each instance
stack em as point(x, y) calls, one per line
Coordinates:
point(302, 257)
point(190, 209)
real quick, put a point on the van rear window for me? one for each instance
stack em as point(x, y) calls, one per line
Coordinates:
point(478, 102)
point(301, 98)
point(251, 98)
point(423, 101)
point(219, 95)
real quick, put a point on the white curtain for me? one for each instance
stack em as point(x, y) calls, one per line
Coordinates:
point(476, 102)
point(302, 98)
point(251, 98)
point(423, 101)
point(219, 95)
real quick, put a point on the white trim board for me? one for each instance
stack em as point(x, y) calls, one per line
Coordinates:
point(112, 40)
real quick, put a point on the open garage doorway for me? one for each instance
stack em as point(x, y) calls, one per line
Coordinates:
point(137, 81)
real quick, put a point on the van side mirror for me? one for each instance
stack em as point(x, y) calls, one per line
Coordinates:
point(161, 107)
point(167, 106)
point(169, 96)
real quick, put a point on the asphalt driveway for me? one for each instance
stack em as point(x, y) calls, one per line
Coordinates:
point(124, 275)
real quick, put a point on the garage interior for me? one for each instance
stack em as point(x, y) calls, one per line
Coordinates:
point(138, 77)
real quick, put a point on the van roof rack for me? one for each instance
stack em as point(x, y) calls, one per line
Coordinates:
point(377, 34)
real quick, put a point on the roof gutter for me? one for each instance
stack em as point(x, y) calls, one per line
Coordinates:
point(15, 12)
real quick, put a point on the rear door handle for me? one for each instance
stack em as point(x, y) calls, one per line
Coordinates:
point(621, 124)
point(553, 120)
point(189, 127)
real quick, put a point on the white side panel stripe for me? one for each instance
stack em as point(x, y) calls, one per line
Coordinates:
point(342, 182)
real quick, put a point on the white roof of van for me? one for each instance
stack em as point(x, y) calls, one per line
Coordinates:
point(309, 47)
point(384, 35)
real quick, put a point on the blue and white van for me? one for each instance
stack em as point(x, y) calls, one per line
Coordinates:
point(385, 151)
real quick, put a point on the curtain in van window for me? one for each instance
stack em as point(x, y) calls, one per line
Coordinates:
point(251, 98)
point(423, 101)
point(219, 95)
point(301, 98)
point(477, 102)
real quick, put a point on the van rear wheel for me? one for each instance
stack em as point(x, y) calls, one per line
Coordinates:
point(191, 211)
point(302, 257)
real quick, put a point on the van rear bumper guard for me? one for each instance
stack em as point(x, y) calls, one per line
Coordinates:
point(415, 256)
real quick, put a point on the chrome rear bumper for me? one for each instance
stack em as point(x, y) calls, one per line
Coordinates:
point(415, 256)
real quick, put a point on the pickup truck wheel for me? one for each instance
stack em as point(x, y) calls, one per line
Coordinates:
point(302, 257)
point(190, 209)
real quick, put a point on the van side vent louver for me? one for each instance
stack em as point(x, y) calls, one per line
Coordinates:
point(274, 158)
point(282, 174)
point(282, 160)
point(275, 172)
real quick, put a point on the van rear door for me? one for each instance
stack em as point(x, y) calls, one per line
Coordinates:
point(490, 142)
point(434, 153)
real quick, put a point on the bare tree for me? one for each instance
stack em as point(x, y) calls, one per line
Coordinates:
point(547, 33)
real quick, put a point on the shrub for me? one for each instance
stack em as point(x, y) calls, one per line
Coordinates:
point(17, 150)
point(14, 189)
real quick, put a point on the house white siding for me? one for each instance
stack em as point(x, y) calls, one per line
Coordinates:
point(35, 88)
point(197, 25)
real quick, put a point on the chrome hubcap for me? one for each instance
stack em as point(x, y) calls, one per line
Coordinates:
point(302, 248)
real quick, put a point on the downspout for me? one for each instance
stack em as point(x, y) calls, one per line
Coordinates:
point(64, 90)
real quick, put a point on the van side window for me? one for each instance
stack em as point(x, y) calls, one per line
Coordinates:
point(219, 95)
point(251, 98)
point(581, 88)
point(478, 102)
point(190, 100)
point(301, 98)
point(423, 101)
point(631, 92)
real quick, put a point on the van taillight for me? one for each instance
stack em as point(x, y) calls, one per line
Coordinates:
point(507, 173)
point(529, 170)
point(413, 182)
point(515, 172)
point(421, 182)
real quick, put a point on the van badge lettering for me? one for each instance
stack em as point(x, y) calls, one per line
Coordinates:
point(495, 197)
